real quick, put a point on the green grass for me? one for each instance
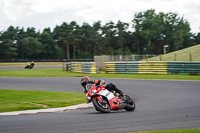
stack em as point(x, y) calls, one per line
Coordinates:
point(173, 131)
point(187, 54)
point(57, 72)
point(16, 100)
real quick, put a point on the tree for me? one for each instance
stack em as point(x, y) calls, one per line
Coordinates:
point(8, 43)
point(109, 38)
point(50, 50)
point(98, 42)
point(31, 47)
point(60, 34)
point(177, 32)
point(75, 37)
point(153, 31)
point(197, 38)
point(89, 39)
point(121, 32)
point(64, 37)
point(150, 33)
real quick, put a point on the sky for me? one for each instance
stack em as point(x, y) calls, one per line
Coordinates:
point(42, 14)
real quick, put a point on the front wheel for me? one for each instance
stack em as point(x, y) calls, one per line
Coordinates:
point(130, 104)
point(101, 106)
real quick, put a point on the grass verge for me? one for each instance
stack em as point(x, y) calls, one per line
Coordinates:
point(173, 131)
point(16, 100)
point(57, 72)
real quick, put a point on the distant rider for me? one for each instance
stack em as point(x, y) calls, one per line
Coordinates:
point(32, 63)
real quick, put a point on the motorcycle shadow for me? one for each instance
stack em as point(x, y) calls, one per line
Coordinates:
point(111, 112)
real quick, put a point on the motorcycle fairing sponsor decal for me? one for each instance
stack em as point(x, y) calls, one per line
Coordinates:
point(107, 94)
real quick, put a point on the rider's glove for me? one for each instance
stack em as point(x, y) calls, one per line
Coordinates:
point(102, 82)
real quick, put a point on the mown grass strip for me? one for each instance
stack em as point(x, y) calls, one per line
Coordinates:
point(16, 100)
point(58, 72)
point(173, 131)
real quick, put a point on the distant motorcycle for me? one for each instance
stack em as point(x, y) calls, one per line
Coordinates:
point(105, 101)
point(30, 65)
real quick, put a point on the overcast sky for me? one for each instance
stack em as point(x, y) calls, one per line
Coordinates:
point(49, 13)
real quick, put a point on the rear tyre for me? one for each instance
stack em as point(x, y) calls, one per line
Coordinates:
point(101, 106)
point(130, 104)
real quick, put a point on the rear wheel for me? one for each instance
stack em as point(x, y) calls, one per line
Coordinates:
point(130, 104)
point(101, 106)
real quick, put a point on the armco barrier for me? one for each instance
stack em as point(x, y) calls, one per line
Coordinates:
point(131, 67)
point(157, 67)
point(121, 67)
point(152, 67)
point(84, 67)
point(183, 68)
point(110, 67)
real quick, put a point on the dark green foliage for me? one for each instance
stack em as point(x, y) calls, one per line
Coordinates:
point(148, 34)
point(155, 30)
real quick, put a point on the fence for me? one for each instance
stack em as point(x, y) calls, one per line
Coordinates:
point(185, 68)
point(100, 60)
point(80, 67)
point(193, 57)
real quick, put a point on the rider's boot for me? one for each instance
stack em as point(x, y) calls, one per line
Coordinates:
point(122, 94)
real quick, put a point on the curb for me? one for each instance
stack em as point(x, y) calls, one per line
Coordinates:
point(50, 110)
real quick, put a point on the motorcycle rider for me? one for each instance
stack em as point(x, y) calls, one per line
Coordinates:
point(31, 63)
point(111, 87)
point(28, 63)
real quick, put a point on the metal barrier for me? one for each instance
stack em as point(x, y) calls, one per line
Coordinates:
point(100, 60)
point(187, 68)
point(123, 67)
point(152, 67)
point(66, 66)
point(183, 68)
point(84, 67)
point(110, 67)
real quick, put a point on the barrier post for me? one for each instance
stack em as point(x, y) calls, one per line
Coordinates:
point(190, 57)
point(147, 57)
point(160, 57)
point(133, 57)
point(126, 58)
point(175, 57)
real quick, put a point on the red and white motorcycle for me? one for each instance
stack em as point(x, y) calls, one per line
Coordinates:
point(105, 101)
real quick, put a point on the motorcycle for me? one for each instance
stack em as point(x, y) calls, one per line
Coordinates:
point(30, 66)
point(105, 101)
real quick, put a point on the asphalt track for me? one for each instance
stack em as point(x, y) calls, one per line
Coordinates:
point(160, 104)
point(36, 67)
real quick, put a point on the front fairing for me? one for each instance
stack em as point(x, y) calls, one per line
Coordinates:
point(99, 93)
point(112, 99)
point(91, 91)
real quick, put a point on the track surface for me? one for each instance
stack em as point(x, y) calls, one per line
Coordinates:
point(159, 105)
point(36, 67)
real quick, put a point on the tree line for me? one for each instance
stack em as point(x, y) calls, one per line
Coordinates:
point(148, 33)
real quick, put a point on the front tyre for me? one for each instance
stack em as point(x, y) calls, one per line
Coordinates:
point(130, 104)
point(101, 106)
